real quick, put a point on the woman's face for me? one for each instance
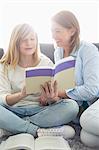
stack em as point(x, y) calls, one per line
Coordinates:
point(61, 35)
point(28, 45)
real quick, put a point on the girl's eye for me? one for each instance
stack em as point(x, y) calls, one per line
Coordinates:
point(24, 40)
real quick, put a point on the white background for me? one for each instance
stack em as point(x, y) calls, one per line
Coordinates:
point(39, 12)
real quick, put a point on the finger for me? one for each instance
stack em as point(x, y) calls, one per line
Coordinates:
point(52, 89)
point(50, 86)
point(43, 103)
point(42, 99)
point(55, 87)
point(43, 92)
point(46, 85)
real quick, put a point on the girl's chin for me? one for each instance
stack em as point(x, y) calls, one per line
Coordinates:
point(29, 53)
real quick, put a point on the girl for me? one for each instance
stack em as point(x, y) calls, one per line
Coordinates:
point(21, 112)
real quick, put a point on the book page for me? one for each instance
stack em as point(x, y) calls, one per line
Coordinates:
point(17, 142)
point(66, 59)
point(51, 143)
point(37, 76)
point(65, 79)
point(64, 73)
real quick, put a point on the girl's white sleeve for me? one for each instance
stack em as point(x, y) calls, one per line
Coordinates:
point(5, 86)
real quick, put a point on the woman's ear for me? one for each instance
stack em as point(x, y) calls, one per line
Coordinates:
point(72, 31)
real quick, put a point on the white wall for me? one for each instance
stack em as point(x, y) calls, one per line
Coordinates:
point(39, 12)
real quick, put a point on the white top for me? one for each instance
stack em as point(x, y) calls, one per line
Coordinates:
point(14, 81)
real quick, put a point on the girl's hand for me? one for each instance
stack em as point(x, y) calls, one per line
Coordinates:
point(23, 92)
point(16, 97)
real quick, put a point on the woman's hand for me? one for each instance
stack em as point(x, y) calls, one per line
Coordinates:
point(62, 94)
point(43, 97)
point(49, 93)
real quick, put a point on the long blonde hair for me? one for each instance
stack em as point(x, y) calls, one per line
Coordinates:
point(12, 55)
point(68, 20)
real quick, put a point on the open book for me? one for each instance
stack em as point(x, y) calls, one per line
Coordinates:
point(25, 141)
point(62, 71)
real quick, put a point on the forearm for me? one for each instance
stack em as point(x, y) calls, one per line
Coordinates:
point(14, 98)
point(85, 93)
point(62, 94)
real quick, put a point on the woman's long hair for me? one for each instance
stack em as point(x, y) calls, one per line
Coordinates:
point(68, 20)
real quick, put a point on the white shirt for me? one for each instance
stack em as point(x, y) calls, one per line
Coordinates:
point(14, 81)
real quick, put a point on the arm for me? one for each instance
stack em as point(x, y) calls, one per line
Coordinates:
point(87, 75)
point(6, 96)
point(16, 97)
point(62, 94)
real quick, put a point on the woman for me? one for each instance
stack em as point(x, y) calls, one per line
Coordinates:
point(90, 125)
point(65, 32)
point(22, 112)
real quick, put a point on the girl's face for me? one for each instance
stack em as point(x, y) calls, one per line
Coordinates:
point(28, 45)
point(61, 35)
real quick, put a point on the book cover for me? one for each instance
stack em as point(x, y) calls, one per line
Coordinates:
point(63, 72)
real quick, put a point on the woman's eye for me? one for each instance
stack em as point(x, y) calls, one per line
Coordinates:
point(57, 31)
point(32, 39)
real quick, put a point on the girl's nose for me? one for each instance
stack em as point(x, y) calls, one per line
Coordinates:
point(28, 42)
